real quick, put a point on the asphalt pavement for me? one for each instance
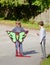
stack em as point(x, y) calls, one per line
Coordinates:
point(31, 47)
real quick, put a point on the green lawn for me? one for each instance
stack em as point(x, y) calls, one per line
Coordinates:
point(26, 25)
point(46, 62)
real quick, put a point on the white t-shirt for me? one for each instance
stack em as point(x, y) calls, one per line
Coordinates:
point(42, 33)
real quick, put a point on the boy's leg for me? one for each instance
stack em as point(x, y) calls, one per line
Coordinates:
point(17, 46)
point(44, 49)
point(21, 49)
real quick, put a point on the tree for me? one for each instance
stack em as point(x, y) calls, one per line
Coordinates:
point(8, 6)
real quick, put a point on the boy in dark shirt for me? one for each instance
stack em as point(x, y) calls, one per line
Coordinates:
point(18, 45)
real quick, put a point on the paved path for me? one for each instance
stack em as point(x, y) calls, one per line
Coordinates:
point(31, 47)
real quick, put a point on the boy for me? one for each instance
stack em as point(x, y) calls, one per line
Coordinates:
point(42, 35)
point(18, 45)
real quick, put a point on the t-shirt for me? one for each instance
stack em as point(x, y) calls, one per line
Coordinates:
point(42, 33)
point(18, 29)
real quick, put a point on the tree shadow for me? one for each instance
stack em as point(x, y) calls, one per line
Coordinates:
point(30, 52)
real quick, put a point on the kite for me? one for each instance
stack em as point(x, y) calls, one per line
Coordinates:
point(17, 36)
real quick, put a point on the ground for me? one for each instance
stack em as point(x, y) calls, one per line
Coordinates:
point(31, 47)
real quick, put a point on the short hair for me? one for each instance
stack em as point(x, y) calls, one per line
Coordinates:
point(19, 23)
point(41, 23)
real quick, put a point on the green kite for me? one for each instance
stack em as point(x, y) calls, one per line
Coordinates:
point(17, 36)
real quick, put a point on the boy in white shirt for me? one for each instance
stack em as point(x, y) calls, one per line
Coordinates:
point(42, 35)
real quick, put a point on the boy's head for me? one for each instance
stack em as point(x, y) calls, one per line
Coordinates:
point(41, 23)
point(18, 24)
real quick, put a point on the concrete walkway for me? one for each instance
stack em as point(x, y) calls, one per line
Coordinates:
point(31, 47)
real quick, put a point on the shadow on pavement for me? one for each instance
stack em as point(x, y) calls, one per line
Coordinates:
point(30, 52)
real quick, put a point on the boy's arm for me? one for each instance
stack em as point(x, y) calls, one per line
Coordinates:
point(23, 30)
point(13, 30)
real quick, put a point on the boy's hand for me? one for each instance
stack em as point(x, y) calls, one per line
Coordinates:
point(40, 42)
point(6, 30)
point(37, 34)
point(26, 32)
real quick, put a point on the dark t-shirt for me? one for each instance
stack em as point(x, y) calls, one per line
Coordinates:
point(18, 29)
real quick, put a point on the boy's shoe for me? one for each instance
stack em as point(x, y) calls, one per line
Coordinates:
point(16, 52)
point(21, 54)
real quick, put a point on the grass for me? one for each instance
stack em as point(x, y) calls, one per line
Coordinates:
point(7, 22)
point(31, 26)
point(46, 61)
point(48, 28)
point(26, 25)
